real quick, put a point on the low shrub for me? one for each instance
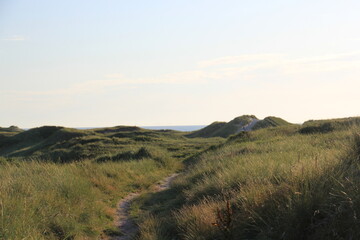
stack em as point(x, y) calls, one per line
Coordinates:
point(323, 128)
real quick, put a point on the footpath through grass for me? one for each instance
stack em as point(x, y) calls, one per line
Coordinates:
point(290, 182)
point(275, 183)
point(60, 196)
point(69, 201)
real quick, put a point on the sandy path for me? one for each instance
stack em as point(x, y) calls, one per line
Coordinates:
point(123, 220)
point(249, 126)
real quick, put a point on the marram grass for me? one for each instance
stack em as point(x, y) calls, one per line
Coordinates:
point(274, 184)
point(69, 201)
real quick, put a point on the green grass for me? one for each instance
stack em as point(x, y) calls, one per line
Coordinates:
point(13, 129)
point(268, 184)
point(52, 201)
point(70, 201)
point(60, 183)
point(223, 129)
point(50, 143)
point(207, 131)
point(234, 125)
point(288, 182)
point(270, 122)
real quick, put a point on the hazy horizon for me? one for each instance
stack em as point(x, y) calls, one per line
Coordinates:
point(161, 63)
point(192, 127)
point(167, 125)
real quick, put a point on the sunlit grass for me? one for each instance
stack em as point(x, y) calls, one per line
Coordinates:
point(280, 184)
point(52, 201)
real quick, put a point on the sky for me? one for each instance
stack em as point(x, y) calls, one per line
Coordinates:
point(97, 63)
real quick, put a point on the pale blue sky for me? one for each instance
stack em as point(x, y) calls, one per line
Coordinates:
point(112, 62)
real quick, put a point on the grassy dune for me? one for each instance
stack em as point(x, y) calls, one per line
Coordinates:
point(288, 182)
point(70, 201)
point(270, 122)
point(223, 129)
point(61, 144)
point(226, 129)
point(276, 183)
point(58, 183)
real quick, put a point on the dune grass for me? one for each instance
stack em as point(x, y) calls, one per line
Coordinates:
point(222, 129)
point(59, 144)
point(268, 184)
point(275, 183)
point(59, 183)
point(270, 122)
point(70, 201)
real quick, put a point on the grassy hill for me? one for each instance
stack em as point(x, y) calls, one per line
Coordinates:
point(207, 131)
point(287, 182)
point(223, 129)
point(242, 123)
point(328, 125)
point(62, 183)
point(273, 183)
point(270, 122)
point(10, 131)
point(65, 144)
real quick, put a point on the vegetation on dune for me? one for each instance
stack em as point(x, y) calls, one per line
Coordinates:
point(60, 183)
point(59, 144)
point(37, 142)
point(273, 183)
point(11, 129)
point(8, 132)
point(276, 182)
point(270, 122)
point(223, 129)
point(324, 126)
point(70, 201)
point(207, 131)
point(235, 125)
